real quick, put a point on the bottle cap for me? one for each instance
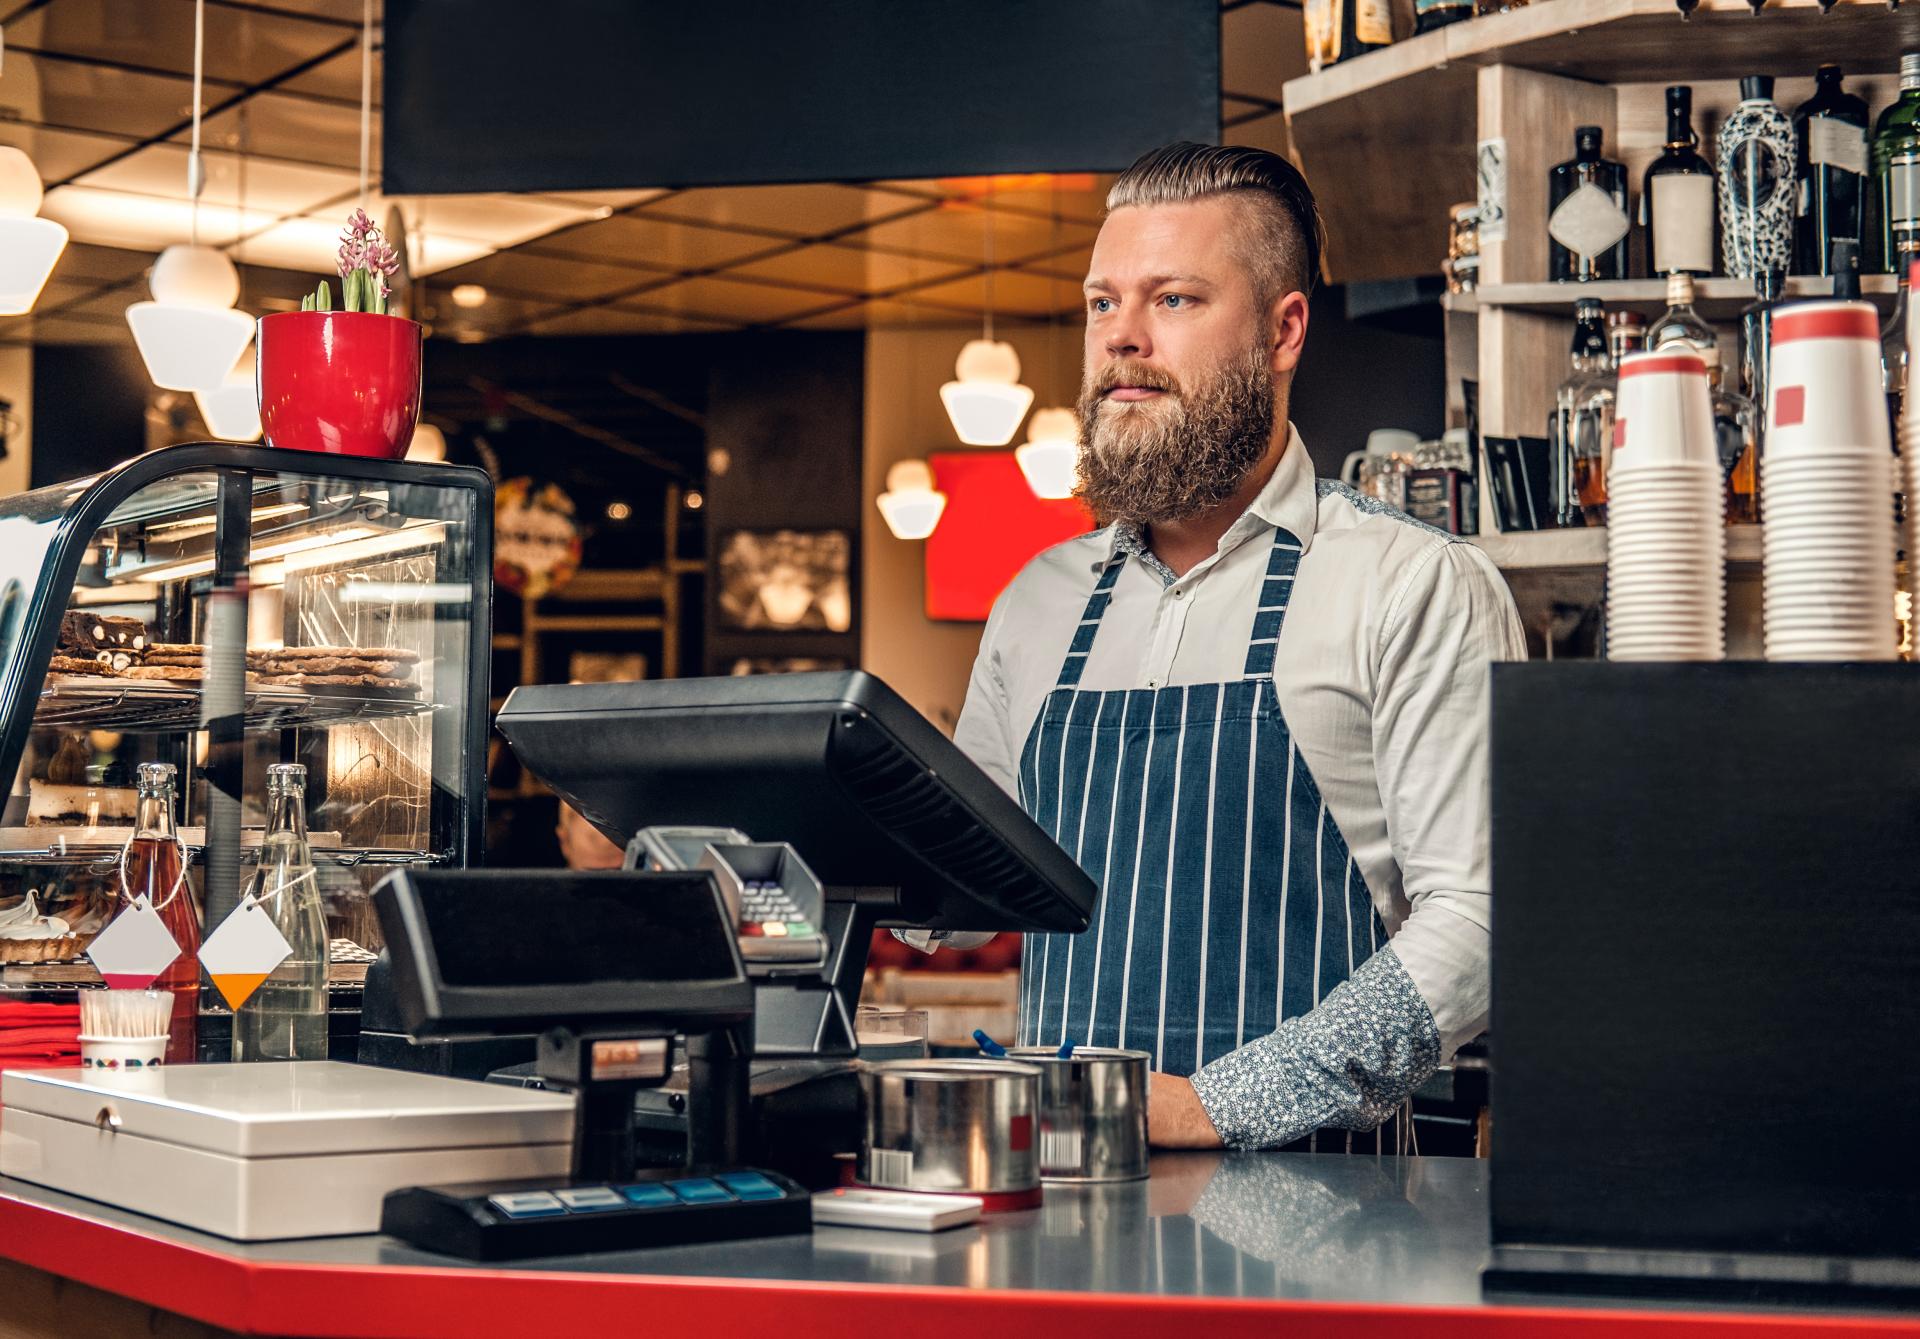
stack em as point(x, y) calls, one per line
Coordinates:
point(286, 774)
point(1587, 138)
point(1757, 88)
point(1587, 308)
point(155, 773)
point(1679, 96)
point(1679, 290)
point(1828, 73)
point(1910, 65)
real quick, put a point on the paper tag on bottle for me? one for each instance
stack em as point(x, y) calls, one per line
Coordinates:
point(1588, 221)
point(131, 953)
point(243, 952)
point(1836, 143)
point(1682, 223)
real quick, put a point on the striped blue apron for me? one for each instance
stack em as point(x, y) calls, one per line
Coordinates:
point(1229, 901)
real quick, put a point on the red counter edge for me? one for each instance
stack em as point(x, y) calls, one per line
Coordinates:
point(320, 1301)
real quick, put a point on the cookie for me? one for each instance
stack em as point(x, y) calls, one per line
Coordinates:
point(379, 669)
point(400, 654)
point(61, 664)
point(332, 681)
point(170, 673)
point(161, 650)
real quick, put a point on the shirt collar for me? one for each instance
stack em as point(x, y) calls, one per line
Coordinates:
point(1289, 501)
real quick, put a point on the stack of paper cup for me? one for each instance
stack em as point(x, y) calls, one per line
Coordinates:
point(1666, 514)
point(1827, 481)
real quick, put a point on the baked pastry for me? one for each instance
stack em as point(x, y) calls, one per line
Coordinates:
point(27, 936)
point(171, 673)
point(84, 632)
point(386, 669)
point(398, 653)
point(334, 681)
point(65, 664)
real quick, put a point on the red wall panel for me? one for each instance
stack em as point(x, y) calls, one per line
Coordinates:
point(993, 524)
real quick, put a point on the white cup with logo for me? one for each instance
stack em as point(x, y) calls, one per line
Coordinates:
point(1823, 382)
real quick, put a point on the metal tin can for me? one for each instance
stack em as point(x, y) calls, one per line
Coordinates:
point(1093, 1112)
point(959, 1126)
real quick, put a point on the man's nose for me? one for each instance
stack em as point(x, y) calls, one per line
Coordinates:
point(1126, 337)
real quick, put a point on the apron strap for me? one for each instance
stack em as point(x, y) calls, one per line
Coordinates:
point(1076, 662)
point(1275, 592)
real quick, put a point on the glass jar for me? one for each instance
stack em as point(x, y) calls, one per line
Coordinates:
point(1462, 265)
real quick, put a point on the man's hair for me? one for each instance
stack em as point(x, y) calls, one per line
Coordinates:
point(1284, 252)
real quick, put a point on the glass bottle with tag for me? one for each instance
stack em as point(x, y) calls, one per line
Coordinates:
point(1593, 418)
point(1896, 171)
point(1589, 359)
point(1830, 156)
point(1587, 221)
point(155, 877)
point(1676, 197)
point(1734, 427)
point(286, 1017)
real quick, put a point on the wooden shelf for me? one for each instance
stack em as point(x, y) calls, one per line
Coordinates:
point(1716, 299)
point(1388, 139)
point(1558, 550)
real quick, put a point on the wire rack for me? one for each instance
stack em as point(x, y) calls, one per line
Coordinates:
point(79, 704)
point(103, 858)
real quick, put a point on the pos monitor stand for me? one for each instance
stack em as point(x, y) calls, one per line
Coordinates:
point(900, 828)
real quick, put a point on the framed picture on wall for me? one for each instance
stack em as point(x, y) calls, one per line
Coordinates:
point(786, 581)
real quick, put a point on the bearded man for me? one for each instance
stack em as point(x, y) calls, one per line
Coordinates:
point(1253, 706)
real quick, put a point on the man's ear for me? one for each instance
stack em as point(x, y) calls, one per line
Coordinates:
point(1288, 323)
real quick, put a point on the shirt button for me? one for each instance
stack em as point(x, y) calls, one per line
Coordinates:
point(1180, 595)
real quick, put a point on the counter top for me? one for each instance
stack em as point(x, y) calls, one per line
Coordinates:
point(1325, 1244)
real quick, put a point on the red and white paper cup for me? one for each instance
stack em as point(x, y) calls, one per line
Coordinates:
point(1823, 382)
point(1664, 416)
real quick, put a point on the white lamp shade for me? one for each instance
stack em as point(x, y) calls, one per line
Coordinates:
point(985, 413)
point(1051, 453)
point(914, 514)
point(429, 444)
point(910, 476)
point(232, 411)
point(28, 249)
point(189, 348)
point(986, 401)
point(19, 184)
point(194, 276)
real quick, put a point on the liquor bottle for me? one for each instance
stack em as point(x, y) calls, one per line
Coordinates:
point(1431, 14)
point(1756, 343)
point(1497, 6)
point(1587, 221)
point(1593, 418)
point(1830, 157)
point(1589, 356)
point(1338, 30)
point(1896, 171)
point(1676, 197)
point(286, 1018)
point(1733, 417)
point(1756, 183)
point(154, 870)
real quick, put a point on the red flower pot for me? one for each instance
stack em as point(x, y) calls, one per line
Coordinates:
point(342, 383)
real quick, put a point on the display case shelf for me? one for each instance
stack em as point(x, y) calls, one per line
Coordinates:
point(1716, 299)
point(102, 856)
point(144, 707)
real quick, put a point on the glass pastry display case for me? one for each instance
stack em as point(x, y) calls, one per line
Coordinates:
point(223, 609)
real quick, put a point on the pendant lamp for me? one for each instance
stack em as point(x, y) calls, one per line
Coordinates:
point(911, 507)
point(429, 444)
point(232, 410)
point(1051, 454)
point(190, 336)
point(986, 400)
point(29, 246)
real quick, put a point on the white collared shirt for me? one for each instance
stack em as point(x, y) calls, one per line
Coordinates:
point(1381, 673)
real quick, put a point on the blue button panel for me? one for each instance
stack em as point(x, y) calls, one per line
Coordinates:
point(527, 1204)
point(650, 1195)
point(699, 1191)
point(751, 1186)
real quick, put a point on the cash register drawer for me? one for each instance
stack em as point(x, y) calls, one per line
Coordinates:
point(271, 1151)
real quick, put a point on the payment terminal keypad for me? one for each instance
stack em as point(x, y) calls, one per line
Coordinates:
point(766, 911)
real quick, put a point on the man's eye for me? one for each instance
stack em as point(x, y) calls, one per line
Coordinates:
point(1173, 299)
point(1102, 305)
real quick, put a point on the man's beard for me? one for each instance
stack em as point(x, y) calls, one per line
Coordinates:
point(1180, 453)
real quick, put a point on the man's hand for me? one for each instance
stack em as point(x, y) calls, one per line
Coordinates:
point(1175, 1118)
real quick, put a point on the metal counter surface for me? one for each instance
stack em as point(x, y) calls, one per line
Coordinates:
point(1235, 1246)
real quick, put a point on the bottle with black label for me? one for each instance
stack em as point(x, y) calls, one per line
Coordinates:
point(1830, 156)
point(1587, 221)
point(1676, 199)
point(1896, 171)
point(1431, 14)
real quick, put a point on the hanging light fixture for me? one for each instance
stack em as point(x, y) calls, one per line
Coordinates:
point(429, 444)
point(1051, 453)
point(190, 336)
point(29, 246)
point(232, 410)
point(986, 400)
point(910, 505)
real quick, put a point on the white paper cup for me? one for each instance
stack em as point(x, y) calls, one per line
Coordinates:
point(1823, 381)
point(1664, 416)
point(125, 1055)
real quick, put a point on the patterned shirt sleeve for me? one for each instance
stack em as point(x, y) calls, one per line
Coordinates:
point(1347, 1065)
